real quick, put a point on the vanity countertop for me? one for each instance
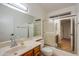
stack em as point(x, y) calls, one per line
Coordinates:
point(37, 38)
point(33, 38)
point(7, 43)
point(5, 51)
point(27, 46)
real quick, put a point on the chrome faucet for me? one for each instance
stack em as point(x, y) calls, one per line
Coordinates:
point(13, 42)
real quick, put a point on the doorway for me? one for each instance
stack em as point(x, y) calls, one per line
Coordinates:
point(66, 35)
point(65, 29)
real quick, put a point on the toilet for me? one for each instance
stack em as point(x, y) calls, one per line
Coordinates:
point(47, 51)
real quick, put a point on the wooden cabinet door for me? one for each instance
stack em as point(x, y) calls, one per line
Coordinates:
point(37, 51)
point(29, 53)
point(37, 54)
point(34, 52)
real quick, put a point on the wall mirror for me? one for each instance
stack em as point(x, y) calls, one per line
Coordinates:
point(37, 27)
point(17, 23)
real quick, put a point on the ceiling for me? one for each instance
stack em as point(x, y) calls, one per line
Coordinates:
point(54, 6)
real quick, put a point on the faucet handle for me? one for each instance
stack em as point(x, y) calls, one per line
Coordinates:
point(12, 34)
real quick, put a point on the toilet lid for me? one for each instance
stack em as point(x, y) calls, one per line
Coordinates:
point(47, 49)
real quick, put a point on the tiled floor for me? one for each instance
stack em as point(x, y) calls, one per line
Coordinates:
point(65, 44)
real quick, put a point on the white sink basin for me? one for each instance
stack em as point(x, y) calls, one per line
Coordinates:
point(13, 51)
point(29, 42)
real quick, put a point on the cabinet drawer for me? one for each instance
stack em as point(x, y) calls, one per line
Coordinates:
point(29, 53)
point(37, 54)
point(36, 49)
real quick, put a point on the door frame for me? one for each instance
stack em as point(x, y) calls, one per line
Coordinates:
point(73, 44)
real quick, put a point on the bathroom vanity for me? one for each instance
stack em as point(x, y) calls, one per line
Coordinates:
point(33, 52)
point(31, 49)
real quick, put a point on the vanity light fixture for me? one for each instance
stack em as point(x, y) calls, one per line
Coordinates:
point(17, 6)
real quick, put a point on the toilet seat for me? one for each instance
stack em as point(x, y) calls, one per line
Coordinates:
point(48, 51)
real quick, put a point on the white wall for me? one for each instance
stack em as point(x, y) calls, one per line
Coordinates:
point(77, 29)
point(36, 10)
point(64, 10)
